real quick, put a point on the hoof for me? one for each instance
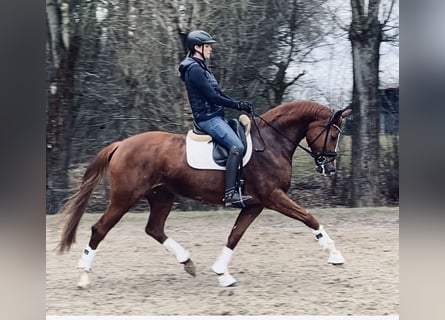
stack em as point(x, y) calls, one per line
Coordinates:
point(226, 280)
point(189, 267)
point(84, 281)
point(335, 258)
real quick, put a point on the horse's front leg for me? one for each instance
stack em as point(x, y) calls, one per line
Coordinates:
point(221, 265)
point(280, 201)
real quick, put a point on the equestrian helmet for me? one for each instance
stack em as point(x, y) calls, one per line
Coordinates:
point(198, 37)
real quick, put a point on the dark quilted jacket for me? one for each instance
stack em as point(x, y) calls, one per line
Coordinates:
point(205, 97)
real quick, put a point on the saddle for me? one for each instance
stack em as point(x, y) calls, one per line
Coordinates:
point(240, 126)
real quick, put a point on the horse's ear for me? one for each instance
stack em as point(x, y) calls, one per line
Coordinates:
point(345, 112)
point(341, 114)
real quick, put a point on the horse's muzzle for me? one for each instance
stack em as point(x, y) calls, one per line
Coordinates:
point(325, 162)
point(326, 168)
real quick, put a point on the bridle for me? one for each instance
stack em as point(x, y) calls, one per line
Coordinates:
point(324, 157)
point(321, 158)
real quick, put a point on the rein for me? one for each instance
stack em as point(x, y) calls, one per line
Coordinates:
point(318, 156)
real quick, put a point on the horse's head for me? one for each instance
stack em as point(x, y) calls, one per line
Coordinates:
point(322, 137)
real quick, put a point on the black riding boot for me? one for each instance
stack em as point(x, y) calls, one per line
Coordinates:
point(232, 194)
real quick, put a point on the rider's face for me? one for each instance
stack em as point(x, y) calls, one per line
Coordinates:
point(205, 50)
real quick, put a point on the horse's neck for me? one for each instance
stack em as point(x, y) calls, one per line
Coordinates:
point(295, 131)
point(291, 122)
point(287, 133)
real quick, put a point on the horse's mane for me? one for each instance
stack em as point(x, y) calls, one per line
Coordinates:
point(298, 109)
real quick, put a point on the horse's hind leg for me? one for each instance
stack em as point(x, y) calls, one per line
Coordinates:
point(280, 201)
point(161, 202)
point(99, 230)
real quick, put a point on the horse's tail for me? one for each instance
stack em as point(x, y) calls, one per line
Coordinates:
point(77, 203)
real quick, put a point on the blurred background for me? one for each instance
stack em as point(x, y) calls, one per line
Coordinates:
point(112, 72)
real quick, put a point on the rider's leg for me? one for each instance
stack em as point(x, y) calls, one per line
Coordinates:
point(220, 130)
point(232, 194)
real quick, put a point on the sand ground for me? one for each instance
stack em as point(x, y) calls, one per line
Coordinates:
point(280, 268)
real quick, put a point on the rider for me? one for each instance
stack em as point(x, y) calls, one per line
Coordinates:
point(207, 102)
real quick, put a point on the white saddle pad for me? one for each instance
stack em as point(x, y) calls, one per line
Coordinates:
point(199, 153)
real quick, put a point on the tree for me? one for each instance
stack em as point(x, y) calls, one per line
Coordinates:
point(62, 52)
point(257, 42)
point(113, 68)
point(366, 33)
point(299, 33)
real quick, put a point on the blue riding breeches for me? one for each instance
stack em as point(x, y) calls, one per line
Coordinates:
point(219, 130)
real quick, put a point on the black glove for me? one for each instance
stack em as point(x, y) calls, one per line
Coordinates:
point(245, 106)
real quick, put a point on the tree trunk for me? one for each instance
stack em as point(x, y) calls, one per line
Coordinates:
point(365, 36)
point(57, 152)
point(59, 106)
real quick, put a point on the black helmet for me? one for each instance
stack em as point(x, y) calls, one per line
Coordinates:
point(198, 37)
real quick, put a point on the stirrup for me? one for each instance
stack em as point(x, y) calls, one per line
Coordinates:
point(236, 200)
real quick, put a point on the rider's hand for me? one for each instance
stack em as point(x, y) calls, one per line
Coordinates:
point(245, 106)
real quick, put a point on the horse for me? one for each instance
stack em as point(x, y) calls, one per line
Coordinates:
point(153, 166)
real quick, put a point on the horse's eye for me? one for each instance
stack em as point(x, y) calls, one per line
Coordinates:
point(333, 138)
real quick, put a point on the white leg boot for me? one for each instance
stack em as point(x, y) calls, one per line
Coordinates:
point(175, 249)
point(84, 266)
point(220, 267)
point(335, 256)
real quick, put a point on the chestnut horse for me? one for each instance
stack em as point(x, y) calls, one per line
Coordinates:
point(153, 165)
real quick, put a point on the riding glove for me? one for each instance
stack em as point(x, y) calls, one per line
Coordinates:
point(244, 106)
